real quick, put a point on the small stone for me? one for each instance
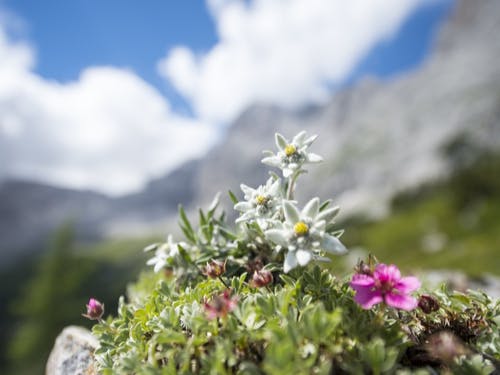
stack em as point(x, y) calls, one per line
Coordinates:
point(73, 353)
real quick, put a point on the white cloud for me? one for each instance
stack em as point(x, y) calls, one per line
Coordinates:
point(109, 130)
point(279, 51)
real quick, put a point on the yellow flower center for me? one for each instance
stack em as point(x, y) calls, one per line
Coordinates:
point(261, 200)
point(301, 228)
point(290, 150)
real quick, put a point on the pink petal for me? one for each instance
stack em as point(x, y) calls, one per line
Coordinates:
point(408, 284)
point(362, 280)
point(387, 273)
point(400, 301)
point(367, 297)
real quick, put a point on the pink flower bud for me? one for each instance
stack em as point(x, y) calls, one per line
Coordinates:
point(221, 305)
point(214, 269)
point(261, 278)
point(428, 303)
point(95, 309)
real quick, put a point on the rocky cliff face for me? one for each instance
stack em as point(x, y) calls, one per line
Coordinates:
point(377, 138)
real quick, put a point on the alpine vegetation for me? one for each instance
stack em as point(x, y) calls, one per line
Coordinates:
point(258, 297)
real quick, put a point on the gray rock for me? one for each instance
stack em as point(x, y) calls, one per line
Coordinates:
point(73, 353)
point(459, 281)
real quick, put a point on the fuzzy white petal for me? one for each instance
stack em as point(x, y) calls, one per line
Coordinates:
point(272, 161)
point(159, 265)
point(311, 208)
point(246, 216)
point(281, 142)
point(303, 257)
point(310, 140)
point(328, 214)
point(313, 158)
point(292, 215)
point(290, 261)
point(332, 244)
point(278, 236)
point(247, 190)
point(151, 247)
point(275, 188)
point(299, 138)
point(243, 206)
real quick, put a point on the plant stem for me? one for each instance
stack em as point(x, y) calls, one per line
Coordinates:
point(223, 282)
point(291, 185)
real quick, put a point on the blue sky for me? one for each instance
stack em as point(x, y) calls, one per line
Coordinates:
point(71, 35)
point(189, 67)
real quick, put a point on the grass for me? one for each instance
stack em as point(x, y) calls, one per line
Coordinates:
point(449, 225)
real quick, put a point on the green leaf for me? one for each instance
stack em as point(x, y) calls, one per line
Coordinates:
point(233, 197)
point(170, 337)
point(184, 219)
point(184, 254)
point(325, 204)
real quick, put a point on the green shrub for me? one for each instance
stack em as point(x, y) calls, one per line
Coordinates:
point(250, 300)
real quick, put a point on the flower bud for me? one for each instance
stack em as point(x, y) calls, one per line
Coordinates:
point(363, 269)
point(428, 303)
point(214, 269)
point(261, 278)
point(95, 309)
point(219, 306)
point(254, 265)
point(445, 346)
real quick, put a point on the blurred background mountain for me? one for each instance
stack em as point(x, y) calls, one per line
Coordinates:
point(413, 161)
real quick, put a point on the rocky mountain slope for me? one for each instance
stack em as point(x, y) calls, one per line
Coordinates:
point(377, 138)
point(381, 137)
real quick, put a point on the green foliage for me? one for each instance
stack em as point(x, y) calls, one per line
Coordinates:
point(306, 324)
point(47, 293)
point(47, 302)
point(460, 215)
point(191, 319)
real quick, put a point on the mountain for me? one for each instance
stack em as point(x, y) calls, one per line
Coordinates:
point(30, 211)
point(381, 137)
point(377, 138)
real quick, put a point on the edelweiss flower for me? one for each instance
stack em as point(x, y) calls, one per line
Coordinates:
point(385, 285)
point(291, 155)
point(164, 253)
point(303, 234)
point(262, 204)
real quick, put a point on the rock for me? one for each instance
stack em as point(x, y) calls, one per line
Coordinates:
point(73, 353)
point(459, 281)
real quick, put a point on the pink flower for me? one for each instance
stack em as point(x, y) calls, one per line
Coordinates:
point(385, 285)
point(214, 269)
point(95, 309)
point(261, 278)
point(221, 305)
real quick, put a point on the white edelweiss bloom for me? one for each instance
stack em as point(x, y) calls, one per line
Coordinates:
point(164, 252)
point(262, 204)
point(291, 155)
point(303, 234)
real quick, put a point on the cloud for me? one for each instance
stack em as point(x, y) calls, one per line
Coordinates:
point(109, 130)
point(285, 52)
